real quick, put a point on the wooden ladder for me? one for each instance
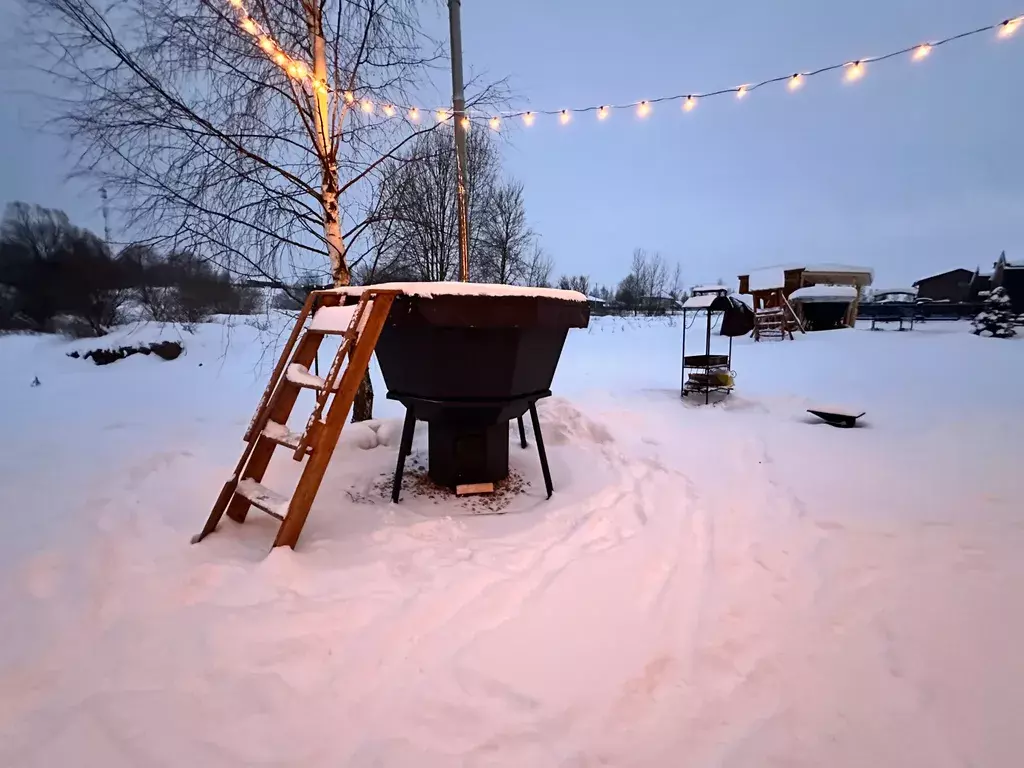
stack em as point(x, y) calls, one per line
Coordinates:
point(359, 327)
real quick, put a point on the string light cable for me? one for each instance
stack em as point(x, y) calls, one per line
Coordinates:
point(301, 73)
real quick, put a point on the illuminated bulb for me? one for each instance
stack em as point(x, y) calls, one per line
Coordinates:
point(689, 104)
point(741, 92)
point(349, 97)
point(564, 116)
point(389, 110)
point(495, 123)
point(602, 113)
point(643, 109)
point(366, 105)
point(796, 81)
point(414, 115)
point(280, 59)
point(1009, 26)
point(465, 123)
point(235, 3)
point(528, 118)
point(922, 51)
point(854, 71)
point(320, 86)
point(249, 26)
point(268, 45)
point(442, 115)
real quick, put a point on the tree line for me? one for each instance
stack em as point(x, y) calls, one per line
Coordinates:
point(56, 276)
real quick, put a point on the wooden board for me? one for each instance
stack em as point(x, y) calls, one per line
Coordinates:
point(471, 488)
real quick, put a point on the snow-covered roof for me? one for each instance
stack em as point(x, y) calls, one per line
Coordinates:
point(766, 279)
point(709, 289)
point(702, 301)
point(824, 293)
point(829, 267)
point(890, 291)
point(596, 300)
point(426, 290)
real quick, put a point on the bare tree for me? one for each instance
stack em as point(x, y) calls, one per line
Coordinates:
point(248, 134)
point(504, 238)
point(418, 229)
point(538, 268)
point(579, 283)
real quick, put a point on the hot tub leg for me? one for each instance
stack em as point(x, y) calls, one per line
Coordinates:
point(522, 431)
point(404, 449)
point(540, 448)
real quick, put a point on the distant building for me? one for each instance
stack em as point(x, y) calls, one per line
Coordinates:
point(1009, 275)
point(771, 287)
point(953, 286)
point(980, 286)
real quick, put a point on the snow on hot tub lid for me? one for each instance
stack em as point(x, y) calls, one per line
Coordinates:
point(825, 293)
point(429, 290)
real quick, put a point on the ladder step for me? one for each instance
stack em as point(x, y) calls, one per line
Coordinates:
point(333, 320)
point(299, 374)
point(271, 502)
point(281, 435)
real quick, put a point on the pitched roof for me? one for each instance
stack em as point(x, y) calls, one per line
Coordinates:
point(942, 274)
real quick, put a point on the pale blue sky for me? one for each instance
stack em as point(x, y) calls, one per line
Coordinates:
point(915, 169)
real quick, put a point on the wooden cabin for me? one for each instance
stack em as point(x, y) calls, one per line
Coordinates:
point(771, 287)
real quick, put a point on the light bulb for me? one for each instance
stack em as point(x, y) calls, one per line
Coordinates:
point(389, 110)
point(249, 26)
point(235, 3)
point(320, 86)
point(367, 106)
point(922, 51)
point(465, 123)
point(741, 92)
point(643, 109)
point(495, 123)
point(268, 45)
point(795, 81)
point(854, 71)
point(280, 59)
point(1009, 26)
point(349, 97)
point(414, 115)
point(689, 104)
point(442, 115)
point(528, 118)
point(602, 113)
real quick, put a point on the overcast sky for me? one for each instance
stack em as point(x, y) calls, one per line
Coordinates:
point(915, 169)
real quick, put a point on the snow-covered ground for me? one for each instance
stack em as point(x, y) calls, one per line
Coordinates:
point(735, 585)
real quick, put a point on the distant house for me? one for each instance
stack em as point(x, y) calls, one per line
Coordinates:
point(953, 286)
point(660, 304)
point(980, 286)
point(1009, 275)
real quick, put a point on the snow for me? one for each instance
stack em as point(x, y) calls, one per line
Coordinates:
point(299, 374)
point(728, 585)
point(596, 300)
point(333, 319)
point(426, 290)
point(709, 289)
point(766, 279)
point(845, 293)
point(700, 302)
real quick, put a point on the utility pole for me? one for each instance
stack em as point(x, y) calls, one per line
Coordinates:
point(461, 123)
point(106, 215)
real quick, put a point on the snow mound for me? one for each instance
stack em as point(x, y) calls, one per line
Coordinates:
point(562, 423)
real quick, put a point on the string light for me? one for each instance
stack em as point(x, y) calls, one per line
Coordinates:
point(922, 51)
point(442, 115)
point(235, 3)
point(602, 113)
point(643, 109)
point(280, 59)
point(495, 123)
point(389, 110)
point(854, 71)
point(414, 115)
point(565, 116)
point(367, 106)
point(250, 26)
point(741, 92)
point(465, 123)
point(1008, 27)
point(528, 118)
point(349, 97)
point(795, 81)
point(268, 45)
point(689, 104)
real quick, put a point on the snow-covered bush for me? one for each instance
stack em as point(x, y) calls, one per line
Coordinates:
point(996, 318)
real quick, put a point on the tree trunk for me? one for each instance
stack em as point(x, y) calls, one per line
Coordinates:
point(362, 406)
